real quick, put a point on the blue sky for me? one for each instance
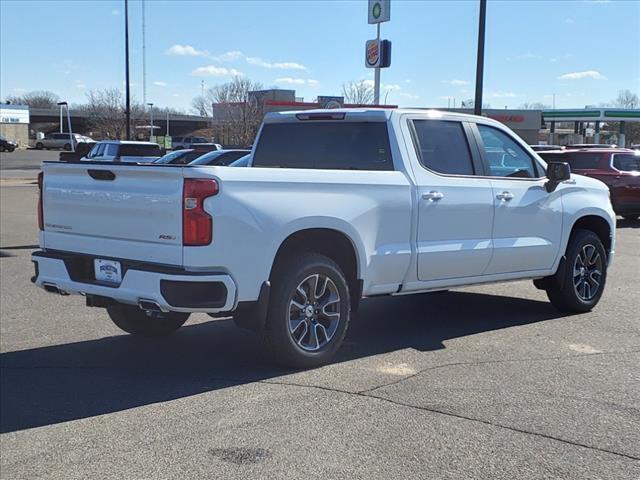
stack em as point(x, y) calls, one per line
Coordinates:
point(581, 51)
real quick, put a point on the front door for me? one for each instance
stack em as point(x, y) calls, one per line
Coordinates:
point(455, 207)
point(528, 220)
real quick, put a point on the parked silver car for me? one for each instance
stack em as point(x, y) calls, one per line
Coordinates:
point(178, 143)
point(61, 141)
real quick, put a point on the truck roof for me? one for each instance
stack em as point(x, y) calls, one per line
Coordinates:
point(368, 114)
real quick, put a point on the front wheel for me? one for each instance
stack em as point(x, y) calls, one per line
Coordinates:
point(147, 324)
point(579, 282)
point(309, 311)
point(67, 147)
point(39, 146)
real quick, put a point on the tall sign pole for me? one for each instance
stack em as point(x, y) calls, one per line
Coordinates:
point(127, 111)
point(477, 106)
point(378, 52)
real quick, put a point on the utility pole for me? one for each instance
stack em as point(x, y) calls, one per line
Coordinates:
point(150, 105)
point(376, 81)
point(127, 110)
point(60, 118)
point(477, 107)
point(144, 57)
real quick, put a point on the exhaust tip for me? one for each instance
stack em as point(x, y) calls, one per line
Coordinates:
point(149, 305)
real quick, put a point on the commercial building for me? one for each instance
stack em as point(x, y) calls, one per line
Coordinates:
point(14, 123)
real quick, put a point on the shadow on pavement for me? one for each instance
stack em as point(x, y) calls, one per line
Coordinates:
point(625, 223)
point(48, 385)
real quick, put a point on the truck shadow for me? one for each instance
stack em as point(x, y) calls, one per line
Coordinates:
point(54, 384)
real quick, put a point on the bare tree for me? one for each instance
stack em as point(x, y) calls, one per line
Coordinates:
point(534, 106)
point(237, 109)
point(358, 93)
point(106, 109)
point(626, 99)
point(35, 99)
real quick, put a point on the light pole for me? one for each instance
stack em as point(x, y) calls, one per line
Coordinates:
point(127, 111)
point(60, 118)
point(477, 107)
point(71, 142)
point(150, 105)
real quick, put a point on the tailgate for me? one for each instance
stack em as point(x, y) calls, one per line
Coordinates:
point(121, 211)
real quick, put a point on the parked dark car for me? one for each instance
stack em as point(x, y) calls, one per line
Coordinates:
point(7, 145)
point(618, 168)
point(220, 157)
point(179, 157)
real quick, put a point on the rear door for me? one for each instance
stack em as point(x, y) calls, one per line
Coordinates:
point(528, 220)
point(121, 211)
point(455, 206)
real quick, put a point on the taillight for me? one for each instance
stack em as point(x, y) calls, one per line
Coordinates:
point(197, 225)
point(40, 208)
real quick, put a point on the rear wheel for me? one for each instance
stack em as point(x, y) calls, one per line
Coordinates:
point(579, 282)
point(144, 323)
point(309, 311)
point(39, 146)
point(67, 146)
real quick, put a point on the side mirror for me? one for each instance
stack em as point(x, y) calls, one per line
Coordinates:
point(557, 172)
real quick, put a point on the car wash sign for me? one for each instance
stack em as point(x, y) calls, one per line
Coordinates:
point(379, 11)
point(14, 114)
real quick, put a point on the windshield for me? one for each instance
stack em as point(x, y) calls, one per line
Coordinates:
point(173, 156)
point(241, 162)
point(627, 162)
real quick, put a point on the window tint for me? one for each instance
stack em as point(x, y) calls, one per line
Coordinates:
point(442, 147)
point(505, 157)
point(326, 145)
point(627, 162)
point(133, 150)
point(61, 136)
point(111, 150)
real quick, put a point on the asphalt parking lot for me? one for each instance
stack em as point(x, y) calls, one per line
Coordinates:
point(486, 382)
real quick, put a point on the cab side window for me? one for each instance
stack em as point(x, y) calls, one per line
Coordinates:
point(442, 147)
point(505, 157)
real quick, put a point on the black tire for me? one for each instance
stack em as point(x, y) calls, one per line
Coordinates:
point(39, 146)
point(562, 292)
point(631, 218)
point(67, 147)
point(136, 321)
point(285, 281)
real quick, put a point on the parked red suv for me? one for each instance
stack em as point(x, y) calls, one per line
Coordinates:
point(619, 168)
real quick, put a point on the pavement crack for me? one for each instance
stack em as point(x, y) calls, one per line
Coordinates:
point(484, 362)
point(368, 395)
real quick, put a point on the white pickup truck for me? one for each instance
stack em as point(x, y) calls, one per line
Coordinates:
point(336, 205)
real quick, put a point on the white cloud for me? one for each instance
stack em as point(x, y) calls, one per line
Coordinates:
point(410, 96)
point(213, 71)
point(80, 85)
point(369, 83)
point(569, 20)
point(185, 51)
point(456, 82)
point(160, 83)
point(503, 94)
point(391, 87)
point(19, 90)
point(297, 81)
point(231, 56)
point(593, 74)
point(408, 80)
point(175, 94)
point(278, 65)
point(115, 12)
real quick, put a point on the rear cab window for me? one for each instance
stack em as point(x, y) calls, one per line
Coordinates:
point(335, 145)
point(133, 150)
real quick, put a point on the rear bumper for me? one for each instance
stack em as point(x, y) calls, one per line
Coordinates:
point(171, 288)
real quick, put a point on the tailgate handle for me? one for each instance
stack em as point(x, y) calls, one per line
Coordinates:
point(101, 174)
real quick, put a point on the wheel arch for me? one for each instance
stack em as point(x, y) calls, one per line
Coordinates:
point(334, 244)
point(598, 225)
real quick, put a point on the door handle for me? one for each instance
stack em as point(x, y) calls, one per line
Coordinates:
point(433, 195)
point(505, 196)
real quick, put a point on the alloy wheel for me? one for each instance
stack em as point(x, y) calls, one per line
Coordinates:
point(587, 272)
point(314, 312)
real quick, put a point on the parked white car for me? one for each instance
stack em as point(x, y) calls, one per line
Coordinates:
point(178, 143)
point(124, 151)
point(336, 205)
point(61, 141)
